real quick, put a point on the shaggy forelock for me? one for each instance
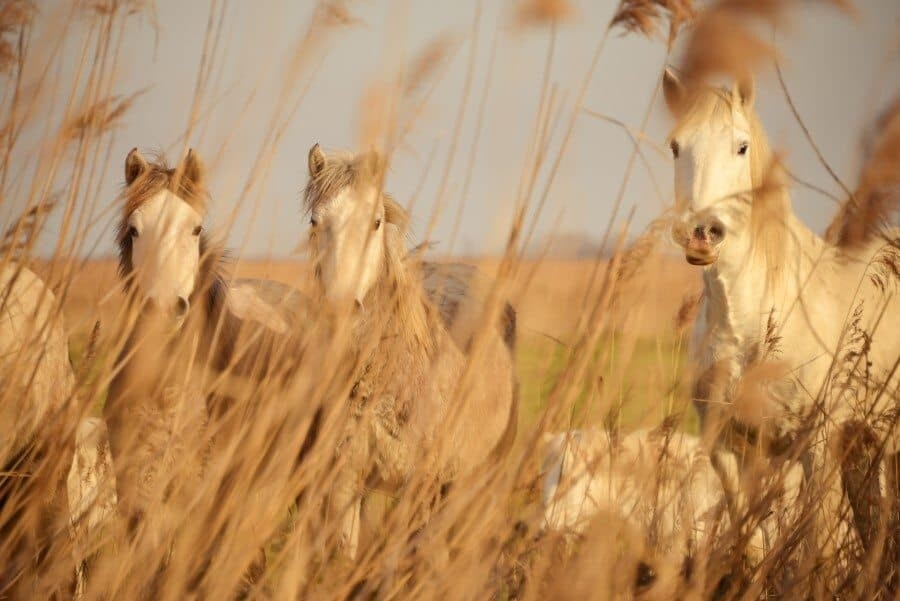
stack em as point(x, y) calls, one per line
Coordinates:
point(706, 103)
point(341, 170)
point(160, 176)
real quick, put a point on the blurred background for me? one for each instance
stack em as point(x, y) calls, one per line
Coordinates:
point(268, 90)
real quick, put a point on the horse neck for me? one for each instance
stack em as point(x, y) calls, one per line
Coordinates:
point(744, 289)
point(409, 316)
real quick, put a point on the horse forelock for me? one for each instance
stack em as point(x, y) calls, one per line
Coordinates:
point(346, 170)
point(704, 104)
point(160, 176)
point(341, 170)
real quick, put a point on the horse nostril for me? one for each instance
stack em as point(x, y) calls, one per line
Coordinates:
point(700, 232)
point(716, 231)
point(181, 306)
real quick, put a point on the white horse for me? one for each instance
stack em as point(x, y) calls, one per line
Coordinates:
point(199, 344)
point(35, 412)
point(662, 483)
point(91, 492)
point(435, 388)
point(34, 357)
point(774, 289)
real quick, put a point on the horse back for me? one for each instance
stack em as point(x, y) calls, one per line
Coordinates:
point(460, 292)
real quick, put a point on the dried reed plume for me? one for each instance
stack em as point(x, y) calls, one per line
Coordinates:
point(725, 40)
point(539, 12)
point(101, 117)
point(875, 205)
point(15, 15)
point(687, 313)
point(20, 235)
point(425, 65)
point(636, 255)
point(646, 16)
point(335, 13)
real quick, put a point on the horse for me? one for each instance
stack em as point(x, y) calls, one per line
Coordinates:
point(773, 291)
point(196, 346)
point(661, 482)
point(36, 406)
point(415, 330)
point(91, 493)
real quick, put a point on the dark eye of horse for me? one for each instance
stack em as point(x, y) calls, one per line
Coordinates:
point(313, 222)
point(197, 230)
point(743, 148)
point(132, 232)
point(675, 148)
point(377, 224)
point(645, 575)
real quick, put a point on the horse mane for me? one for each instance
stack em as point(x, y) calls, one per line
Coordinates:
point(866, 215)
point(402, 287)
point(770, 203)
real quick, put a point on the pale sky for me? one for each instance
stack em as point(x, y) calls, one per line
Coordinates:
point(838, 69)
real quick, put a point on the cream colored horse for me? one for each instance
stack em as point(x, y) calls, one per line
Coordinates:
point(414, 406)
point(36, 409)
point(197, 343)
point(91, 492)
point(34, 357)
point(775, 290)
point(662, 483)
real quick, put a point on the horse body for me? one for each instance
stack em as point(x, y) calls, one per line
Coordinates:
point(805, 320)
point(413, 384)
point(198, 343)
point(435, 392)
point(35, 416)
point(663, 486)
point(776, 292)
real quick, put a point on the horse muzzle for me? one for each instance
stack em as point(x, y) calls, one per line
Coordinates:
point(702, 244)
point(176, 313)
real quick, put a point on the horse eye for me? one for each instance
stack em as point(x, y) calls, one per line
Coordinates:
point(377, 224)
point(675, 148)
point(132, 232)
point(645, 576)
point(197, 230)
point(743, 148)
point(313, 222)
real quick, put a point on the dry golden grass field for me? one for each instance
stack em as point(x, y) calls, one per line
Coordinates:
point(549, 295)
point(709, 409)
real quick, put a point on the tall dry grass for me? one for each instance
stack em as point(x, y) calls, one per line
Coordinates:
point(237, 503)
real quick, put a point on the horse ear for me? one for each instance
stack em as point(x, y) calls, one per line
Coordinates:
point(193, 175)
point(745, 90)
point(316, 160)
point(135, 165)
point(673, 90)
point(395, 214)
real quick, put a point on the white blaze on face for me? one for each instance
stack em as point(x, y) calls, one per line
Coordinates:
point(349, 247)
point(165, 250)
point(712, 167)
